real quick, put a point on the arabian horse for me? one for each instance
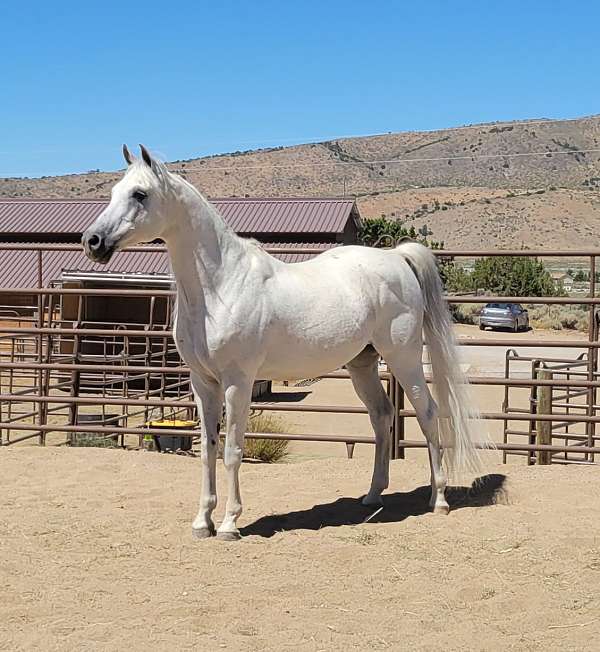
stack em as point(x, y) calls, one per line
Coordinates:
point(242, 314)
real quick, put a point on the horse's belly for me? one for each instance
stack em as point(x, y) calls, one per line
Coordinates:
point(298, 363)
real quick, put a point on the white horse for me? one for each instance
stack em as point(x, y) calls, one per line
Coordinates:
point(243, 314)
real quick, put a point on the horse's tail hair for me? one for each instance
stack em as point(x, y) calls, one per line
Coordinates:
point(457, 416)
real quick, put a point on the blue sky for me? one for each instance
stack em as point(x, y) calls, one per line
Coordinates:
point(196, 78)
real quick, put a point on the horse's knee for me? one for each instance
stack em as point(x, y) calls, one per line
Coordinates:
point(232, 457)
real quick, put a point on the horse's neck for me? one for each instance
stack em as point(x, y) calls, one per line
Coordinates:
point(204, 251)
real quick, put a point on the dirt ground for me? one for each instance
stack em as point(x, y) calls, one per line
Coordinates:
point(97, 555)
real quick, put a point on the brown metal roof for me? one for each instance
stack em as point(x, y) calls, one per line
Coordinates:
point(48, 215)
point(246, 216)
point(252, 215)
point(19, 268)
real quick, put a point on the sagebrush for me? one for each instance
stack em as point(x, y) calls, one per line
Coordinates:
point(559, 317)
point(93, 440)
point(466, 313)
point(266, 450)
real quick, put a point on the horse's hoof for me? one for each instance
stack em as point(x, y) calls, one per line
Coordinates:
point(203, 532)
point(372, 502)
point(229, 536)
point(441, 509)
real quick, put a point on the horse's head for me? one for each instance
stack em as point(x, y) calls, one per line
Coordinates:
point(137, 211)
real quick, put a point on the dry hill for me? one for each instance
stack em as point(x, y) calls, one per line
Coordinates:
point(466, 183)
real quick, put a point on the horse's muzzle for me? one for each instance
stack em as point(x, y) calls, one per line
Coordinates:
point(97, 248)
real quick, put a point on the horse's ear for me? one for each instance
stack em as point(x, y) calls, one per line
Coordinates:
point(146, 156)
point(127, 155)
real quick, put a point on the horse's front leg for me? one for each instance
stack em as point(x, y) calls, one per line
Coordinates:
point(237, 404)
point(209, 397)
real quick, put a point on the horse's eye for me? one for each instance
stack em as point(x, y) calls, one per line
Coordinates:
point(139, 195)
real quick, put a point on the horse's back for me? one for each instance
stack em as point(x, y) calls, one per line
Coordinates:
point(355, 269)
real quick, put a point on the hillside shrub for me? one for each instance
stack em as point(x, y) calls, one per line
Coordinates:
point(559, 317)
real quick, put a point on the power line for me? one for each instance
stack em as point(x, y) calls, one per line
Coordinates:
point(316, 140)
point(481, 125)
point(307, 140)
point(387, 161)
point(319, 139)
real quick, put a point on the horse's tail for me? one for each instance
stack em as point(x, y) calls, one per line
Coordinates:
point(457, 418)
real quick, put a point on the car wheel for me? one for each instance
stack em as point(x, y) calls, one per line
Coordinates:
point(481, 327)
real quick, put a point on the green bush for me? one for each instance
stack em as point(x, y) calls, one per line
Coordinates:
point(513, 276)
point(455, 278)
point(382, 232)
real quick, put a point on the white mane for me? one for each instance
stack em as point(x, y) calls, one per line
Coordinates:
point(168, 180)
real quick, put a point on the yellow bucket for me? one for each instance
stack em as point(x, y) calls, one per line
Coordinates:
point(183, 443)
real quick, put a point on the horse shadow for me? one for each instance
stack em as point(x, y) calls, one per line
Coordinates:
point(485, 491)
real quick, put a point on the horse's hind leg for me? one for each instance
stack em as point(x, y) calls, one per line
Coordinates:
point(365, 378)
point(408, 370)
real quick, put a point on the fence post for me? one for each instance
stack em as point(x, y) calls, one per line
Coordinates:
point(396, 396)
point(400, 428)
point(391, 392)
point(75, 375)
point(592, 360)
point(544, 406)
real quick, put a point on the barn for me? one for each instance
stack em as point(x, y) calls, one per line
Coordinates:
point(54, 228)
point(290, 223)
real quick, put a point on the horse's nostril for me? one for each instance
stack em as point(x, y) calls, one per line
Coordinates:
point(94, 242)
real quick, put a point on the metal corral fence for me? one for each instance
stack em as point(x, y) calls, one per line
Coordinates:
point(65, 374)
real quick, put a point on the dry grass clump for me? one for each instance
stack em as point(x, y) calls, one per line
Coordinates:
point(466, 313)
point(266, 450)
point(559, 317)
point(93, 440)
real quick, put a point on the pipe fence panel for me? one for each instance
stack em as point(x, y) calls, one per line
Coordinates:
point(69, 368)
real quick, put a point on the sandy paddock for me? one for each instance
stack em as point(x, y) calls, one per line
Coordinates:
point(97, 555)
